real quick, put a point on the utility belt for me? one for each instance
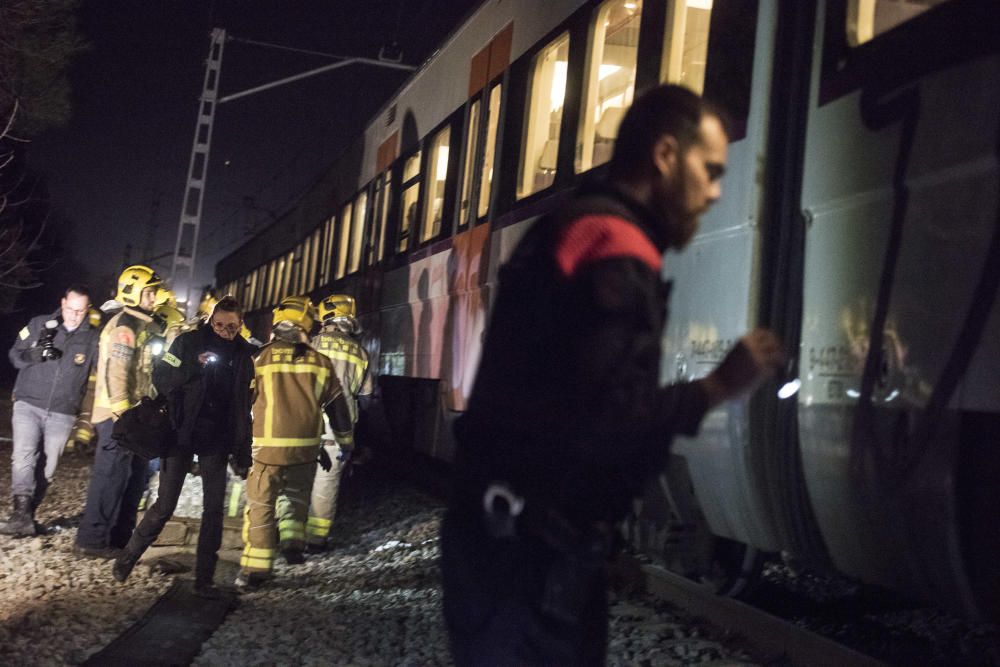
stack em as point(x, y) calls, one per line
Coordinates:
point(581, 553)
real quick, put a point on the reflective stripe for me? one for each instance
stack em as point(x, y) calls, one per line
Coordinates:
point(120, 406)
point(172, 360)
point(234, 497)
point(286, 442)
point(317, 527)
point(259, 552)
point(264, 564)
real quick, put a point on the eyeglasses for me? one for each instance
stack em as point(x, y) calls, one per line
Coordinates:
point(231, 328)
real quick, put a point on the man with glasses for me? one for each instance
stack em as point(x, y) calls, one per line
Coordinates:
point(205, 377)
point(53, 354)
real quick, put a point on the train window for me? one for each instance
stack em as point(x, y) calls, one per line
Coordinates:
point(610, 80)
point(471, 144)
point(314, 260)
point(357, 231)
point(411, 192)
point(296, 273)
point(331, 225)
point(380, 217)
point(867, 19)
point(437, 175)
point(286, 282)
point(344, 230)
point(685, 44)
point(489, 152)
point(540, 142)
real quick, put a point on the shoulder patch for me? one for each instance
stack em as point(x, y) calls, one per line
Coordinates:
point(591, 238)
point(125, 336)
point(172, 360)
point(119, 351)
point(24, 333)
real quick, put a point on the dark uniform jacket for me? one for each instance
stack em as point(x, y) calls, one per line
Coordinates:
point(567, 405)
point(180, 376)
point(54, 385)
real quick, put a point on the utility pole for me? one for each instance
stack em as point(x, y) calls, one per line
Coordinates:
point(186, 247)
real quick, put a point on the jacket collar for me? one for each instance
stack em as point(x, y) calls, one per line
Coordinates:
point(651, 222)
point(138, 314)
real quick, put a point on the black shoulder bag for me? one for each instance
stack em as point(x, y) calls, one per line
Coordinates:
point(145, 428)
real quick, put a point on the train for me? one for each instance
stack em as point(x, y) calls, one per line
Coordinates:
point(859, 220)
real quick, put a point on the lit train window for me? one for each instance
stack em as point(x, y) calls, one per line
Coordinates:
point(380, 217)
point(328, 231)
point(471, 143)
point(286, 280)
point(345, 235)
point(489, 153)
point(546, 92)
point(314, 259)
point(437, 175)
point(610, 80)
point(867, 19)
point(685, 47)
point(411, 192)
point(357, 231)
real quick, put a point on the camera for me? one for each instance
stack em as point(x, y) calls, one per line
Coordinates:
point(46, 341)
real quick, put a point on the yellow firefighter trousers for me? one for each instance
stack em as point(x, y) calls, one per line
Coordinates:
point(323, 500)
point(262, 533)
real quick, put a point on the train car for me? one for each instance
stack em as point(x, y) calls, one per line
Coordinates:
point(859, 219)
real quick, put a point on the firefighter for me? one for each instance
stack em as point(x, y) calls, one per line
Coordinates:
point(337, 340)
point(293, 384)
point(124, 367)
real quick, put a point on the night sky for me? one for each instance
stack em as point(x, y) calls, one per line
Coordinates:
point(117, 171)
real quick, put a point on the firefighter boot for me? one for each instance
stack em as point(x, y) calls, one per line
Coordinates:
point(22, 520)
point(124, 564)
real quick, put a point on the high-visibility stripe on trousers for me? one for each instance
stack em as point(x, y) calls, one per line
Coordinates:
point(262, 532)
point(322, 501)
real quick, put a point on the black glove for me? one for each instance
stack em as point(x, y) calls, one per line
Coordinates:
point(238, 469)
point(324, 460)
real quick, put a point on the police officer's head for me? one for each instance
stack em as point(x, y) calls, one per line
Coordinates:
point(74, 306)
point(671, 154)
point(226, 319)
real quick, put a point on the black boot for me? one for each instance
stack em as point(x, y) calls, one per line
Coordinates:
point(22, 520)
point(124, 564)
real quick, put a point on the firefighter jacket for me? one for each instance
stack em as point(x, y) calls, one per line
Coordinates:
point(567, 404)
point(350, 361)
point(185, 381)
point(56, 385)
point(293, 383)
point(125, 363)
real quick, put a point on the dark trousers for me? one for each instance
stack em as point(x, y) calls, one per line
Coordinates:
point(117, 480)
point(173, 470)
point(494, 606)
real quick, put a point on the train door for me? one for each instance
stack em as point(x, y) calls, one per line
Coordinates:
point(900, 348)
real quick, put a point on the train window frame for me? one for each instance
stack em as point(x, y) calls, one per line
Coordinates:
point(403, 237)
point(355, 244)
point(343, 238)
point(548, 150)
point(604, 124)
point(481, 213)
point(858, 33)
point(380, 213)
point(425, 236)
point(944, 36)
point(471, 140)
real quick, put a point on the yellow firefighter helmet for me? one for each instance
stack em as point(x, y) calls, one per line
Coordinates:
point(295, 309)
point(133, 281)
point(337, 305)
point(165, 297)
point(170, 315)
point(245, 332)
point(207, 304)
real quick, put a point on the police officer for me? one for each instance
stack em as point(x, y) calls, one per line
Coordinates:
point(54, 355)
point(567, 419)
point(124, 369)
point(293, 385)
point(206, 378)
point(338, 341)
